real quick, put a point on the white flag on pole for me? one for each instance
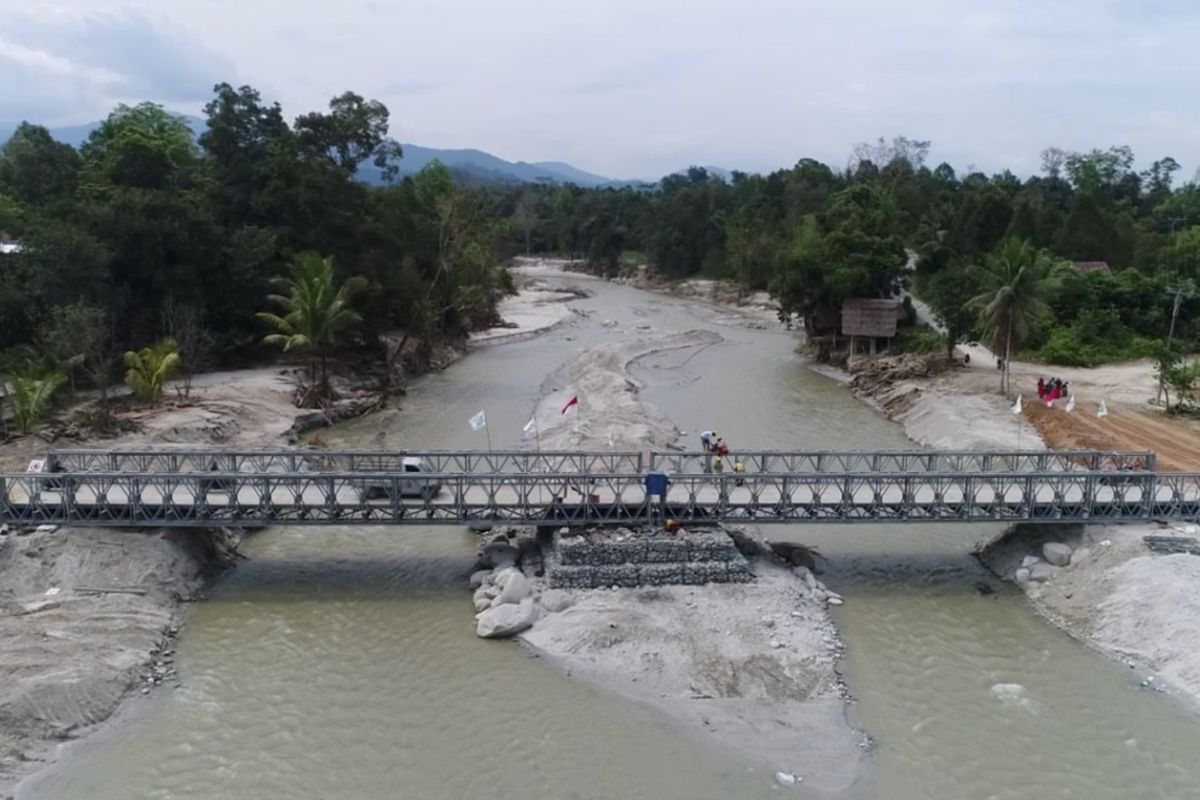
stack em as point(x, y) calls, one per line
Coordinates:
point(530, 425)
point(478, 421)
point(1071, 403)
point(1102, 411)
point(1016, 409)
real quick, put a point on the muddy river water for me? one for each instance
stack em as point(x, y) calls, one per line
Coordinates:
point(342, 663)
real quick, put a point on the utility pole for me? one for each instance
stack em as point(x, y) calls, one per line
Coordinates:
point(1180, 290)
point(1172, 222)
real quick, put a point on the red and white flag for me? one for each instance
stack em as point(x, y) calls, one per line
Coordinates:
point(574, 401)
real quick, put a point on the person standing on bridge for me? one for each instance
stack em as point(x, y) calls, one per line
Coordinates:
point(707, 440)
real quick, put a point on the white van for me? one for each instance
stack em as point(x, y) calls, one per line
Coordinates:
point(408, 486)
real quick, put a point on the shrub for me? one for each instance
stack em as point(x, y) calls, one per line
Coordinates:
point(918, 339)
point(32, 396)
point(1096, 336)
point(504, 280)
point(150, 368)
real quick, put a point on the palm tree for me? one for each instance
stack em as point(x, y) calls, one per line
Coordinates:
point(315, 314)
point(150, 368)
point(1015, 279)
point(32, 396)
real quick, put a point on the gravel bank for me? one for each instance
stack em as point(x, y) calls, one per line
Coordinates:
point(750, 666)
point(1139, 608)
point(86, 617)
point(754, 666)
point(69, 656)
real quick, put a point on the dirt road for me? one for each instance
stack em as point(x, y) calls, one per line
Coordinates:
point(1174, 439)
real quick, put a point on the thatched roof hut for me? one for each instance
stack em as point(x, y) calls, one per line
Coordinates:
point(871, 317)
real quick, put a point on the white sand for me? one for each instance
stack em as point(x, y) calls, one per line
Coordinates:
point(751, 665)
point(536, 308)
point(610, 413)
point(1138, 608)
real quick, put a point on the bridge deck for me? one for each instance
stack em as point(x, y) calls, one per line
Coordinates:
point(153, 499)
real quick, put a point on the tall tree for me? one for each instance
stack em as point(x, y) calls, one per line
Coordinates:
point(36, 170)
point(316, 314)
point(1014, 287)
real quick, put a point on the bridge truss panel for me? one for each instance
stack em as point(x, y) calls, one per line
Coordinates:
point(241, 499)
point(450, 462)
point(908, 461)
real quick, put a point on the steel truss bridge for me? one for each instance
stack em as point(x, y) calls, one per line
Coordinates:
point(205, 488)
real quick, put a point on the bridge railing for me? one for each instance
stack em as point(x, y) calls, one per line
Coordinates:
point(902, 461)
point(446, 462)
point(592, 462)
point(126, 499)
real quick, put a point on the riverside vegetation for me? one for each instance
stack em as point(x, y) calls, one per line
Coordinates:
point(150, 234)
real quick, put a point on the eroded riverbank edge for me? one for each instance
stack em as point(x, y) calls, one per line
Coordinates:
point(1108, 591)
point(750, 667)
point(89, 616)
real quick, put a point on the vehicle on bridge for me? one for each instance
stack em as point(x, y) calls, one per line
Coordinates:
point(407, 486)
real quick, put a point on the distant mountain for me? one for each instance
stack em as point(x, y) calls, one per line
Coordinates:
point(487, 167)
point(467, 165)
point(573, 174)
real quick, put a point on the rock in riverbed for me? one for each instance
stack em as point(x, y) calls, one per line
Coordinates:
point(514, 587)
point(1057, 553)
point(554, 600)
point(506, 620)
point(1041, 572)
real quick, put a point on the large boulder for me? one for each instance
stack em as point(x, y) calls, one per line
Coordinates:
point(514, 588)
point(1057, 553)
point(506, 620)
point(478, 578)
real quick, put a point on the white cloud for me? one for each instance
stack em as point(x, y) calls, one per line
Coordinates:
point(60, 64)
point(630, 88)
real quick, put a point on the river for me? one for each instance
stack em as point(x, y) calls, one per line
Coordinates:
point(341, 662)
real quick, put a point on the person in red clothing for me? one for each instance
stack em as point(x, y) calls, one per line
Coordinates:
point(1041, 388)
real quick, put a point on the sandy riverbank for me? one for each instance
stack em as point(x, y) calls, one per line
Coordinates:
point(69, 655)
point(752, 667)
point(1137, 607)
point(88, 616)
point(537, 307)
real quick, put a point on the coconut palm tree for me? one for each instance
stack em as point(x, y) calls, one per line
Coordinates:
point(315, 315)
point(32, 396)
point(150, 368)
point(1016, 280)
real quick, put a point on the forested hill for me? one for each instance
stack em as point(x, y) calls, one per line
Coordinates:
point(148, 223)
point(469, 165)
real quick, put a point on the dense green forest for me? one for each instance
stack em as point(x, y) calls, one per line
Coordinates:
point(148, 234)
point(815, 236)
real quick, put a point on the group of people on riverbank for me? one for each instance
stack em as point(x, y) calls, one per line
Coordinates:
point(1051, 390)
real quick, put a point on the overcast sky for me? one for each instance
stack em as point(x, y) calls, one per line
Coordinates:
point(638, 88)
